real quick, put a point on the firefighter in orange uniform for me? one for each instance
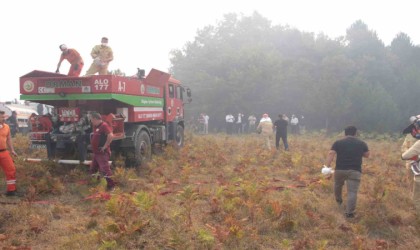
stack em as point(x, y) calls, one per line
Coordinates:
point(102, 55)
point(73, 57)
point(6, 161)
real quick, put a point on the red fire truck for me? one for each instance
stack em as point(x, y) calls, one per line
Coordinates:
point(143, 112)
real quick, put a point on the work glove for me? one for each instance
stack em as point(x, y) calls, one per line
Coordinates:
point(326, 170)
point(57, 71)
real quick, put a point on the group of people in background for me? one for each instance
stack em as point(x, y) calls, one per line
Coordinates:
point(297, 125)
point(267, 128)
point(236, 125)
point(240, 124)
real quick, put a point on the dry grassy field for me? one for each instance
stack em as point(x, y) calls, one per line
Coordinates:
point(217, 192)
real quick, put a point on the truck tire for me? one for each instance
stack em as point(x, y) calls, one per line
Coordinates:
point(179, 136)
point(143, 147)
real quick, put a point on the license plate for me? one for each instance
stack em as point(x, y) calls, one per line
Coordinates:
point(41, 146)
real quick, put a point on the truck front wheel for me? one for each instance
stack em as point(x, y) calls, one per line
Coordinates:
point(143, 147)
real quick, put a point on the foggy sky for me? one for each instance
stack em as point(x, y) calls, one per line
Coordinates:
point(142, 33)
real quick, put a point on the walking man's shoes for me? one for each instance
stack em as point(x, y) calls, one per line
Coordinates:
point(110, 188)
point(350, 216)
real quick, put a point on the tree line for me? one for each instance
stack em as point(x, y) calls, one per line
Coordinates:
point(246, 64)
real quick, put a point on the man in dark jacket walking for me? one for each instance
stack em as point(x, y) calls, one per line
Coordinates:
point(348, 167)
point(281, 131)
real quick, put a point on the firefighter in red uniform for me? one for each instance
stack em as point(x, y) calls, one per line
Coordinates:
point(6, 161)
point(73, 57)
point(101, 140)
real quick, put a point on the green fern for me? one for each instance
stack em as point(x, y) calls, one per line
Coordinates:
point(108, 245)
point(143, 200)
point(206, 238)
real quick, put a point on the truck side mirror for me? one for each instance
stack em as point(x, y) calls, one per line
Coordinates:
point(189, 99)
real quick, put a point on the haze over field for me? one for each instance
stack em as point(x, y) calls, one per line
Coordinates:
point(178, 187)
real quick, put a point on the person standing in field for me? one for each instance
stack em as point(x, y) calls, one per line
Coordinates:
point(281, 131)
point(266, 128)
point(302, 127)
point(230, 119)
point(102, 55)
point(201, 122)
point(411, 155)
point(410, 139)
point(239, 121)
point(294, 122)
point(101, 141)
point(206, 123)
point(13, 123)
point(252, 120)
point(73, 57)
point(6, 160)
point(348, 167)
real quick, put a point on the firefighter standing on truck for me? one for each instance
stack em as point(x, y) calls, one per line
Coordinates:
point(6, 160)
point(73, 57)
point(102, 55)
point(101, 140)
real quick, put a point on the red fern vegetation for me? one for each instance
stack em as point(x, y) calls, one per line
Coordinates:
point(218, 192)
